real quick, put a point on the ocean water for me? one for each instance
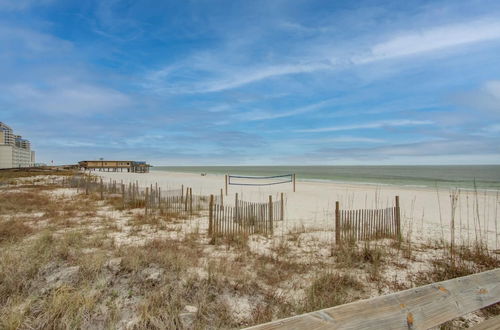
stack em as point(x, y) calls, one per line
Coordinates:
point(455, 176)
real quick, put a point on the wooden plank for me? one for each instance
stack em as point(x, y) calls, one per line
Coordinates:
point(418, 308)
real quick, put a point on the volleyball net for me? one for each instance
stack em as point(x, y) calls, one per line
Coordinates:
point(242, 180)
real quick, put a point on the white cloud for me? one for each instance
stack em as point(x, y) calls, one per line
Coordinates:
point(493, 88)
point(337, 139)
point(266, 115)
point(433, 39)
point(243, 78)
point(377, 124)
point(217, 75)
point(69, 98)
point(486, 98)
point(17, 5)
point(229, 78)
point(492, 129)
point(26, 42)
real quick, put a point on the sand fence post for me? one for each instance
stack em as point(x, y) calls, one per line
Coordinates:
point(159, 199)
point(293, 179)
point(282, 215)
point(271, 214)
point(102, 190)
point(182, 193)
point(210, 215)
point(226, 180)
point(186, 200)
point(123, 195)
point(236, 218)
point(398, 219)
point(191, 200)
point(337, 223)
point(221, 197)
point(151, 201)
point(132, 191)
point(146, 202)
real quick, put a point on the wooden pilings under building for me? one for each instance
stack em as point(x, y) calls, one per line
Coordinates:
point(115, 166)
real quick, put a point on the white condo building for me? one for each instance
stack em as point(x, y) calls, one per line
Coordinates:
point(14, 150)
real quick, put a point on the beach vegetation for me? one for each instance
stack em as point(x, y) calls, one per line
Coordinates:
point(73, 260)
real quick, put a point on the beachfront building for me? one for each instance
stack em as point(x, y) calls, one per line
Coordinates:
point(15, 151)
point(115, 166)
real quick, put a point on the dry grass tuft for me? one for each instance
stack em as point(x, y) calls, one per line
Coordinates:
point(352, 255)
point(331, 289)
point(14, 230)
point(23, 202)
point(12, 174)
point(66, 307)
point(468, 260)
point(160, 309)
point(480, 255)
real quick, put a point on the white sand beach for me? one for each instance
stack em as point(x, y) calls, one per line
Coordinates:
point(426, 213)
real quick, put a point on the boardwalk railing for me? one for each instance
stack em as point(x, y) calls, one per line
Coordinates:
point(418, 308)
point(244, 218)
point(355, 225)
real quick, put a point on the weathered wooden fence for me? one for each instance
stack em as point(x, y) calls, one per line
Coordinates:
point(354, 225)
point(152, 198)
point(244, 218)
point(418, 308)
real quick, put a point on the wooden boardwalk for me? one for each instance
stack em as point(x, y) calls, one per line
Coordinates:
point(418, 308)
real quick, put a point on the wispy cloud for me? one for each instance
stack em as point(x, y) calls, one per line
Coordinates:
point(444, 150)
point(255, 75)
point(433, 39)
point(372, 125)
point(257, 115)
point(485, 99)
point(397, 45)
point(67, 98)
point(232, 77)
point(17, 5)
point(25, 42)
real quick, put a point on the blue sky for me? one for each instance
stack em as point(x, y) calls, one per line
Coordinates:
point(254, 82)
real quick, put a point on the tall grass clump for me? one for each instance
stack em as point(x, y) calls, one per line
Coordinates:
point(14, 230)
point(330, 289)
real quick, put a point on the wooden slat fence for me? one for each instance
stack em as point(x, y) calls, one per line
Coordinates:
point(152, 198)
point(244, 218)
point(362, 225)
point(277, 208)
point(418, 308)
